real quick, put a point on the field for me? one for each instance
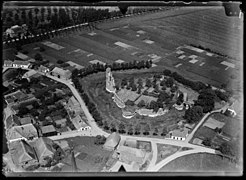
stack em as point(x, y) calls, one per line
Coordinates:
point(163, 151)
point(89, 157)
point(201, 163)
point(167, 30)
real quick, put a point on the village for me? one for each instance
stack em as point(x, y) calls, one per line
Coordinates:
point(130, 100)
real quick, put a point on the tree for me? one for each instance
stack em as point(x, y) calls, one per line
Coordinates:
point(164, 131)
point(169, 82)
point(141, 104)
point(99, 140)
point(193, 114)
point(148, 83)
point(134, 87)
point(123, 82)
point(130, 129)
point(140, 83)
point(112, 127)
point(207, 142)
point(155, 132)
point(121, 128)
point(129, 103)
point(137, 129)
point(225, 148)
point(167, 72)
point(38, 57)
point(146, 129)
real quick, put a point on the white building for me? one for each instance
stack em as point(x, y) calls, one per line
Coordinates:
point(21, 64)
point(178, 134)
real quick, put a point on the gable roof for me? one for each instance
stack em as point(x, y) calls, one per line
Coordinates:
point(26, 131)
point(78, 122)
point(112, 140)
point(43, 147)
point(47, 129)
point(22, 152)
point(180, 133)
point(61, 71)
point(21, 62)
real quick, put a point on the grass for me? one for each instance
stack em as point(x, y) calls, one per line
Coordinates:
point(164, 151)
point(92, 158)
point(201, 162)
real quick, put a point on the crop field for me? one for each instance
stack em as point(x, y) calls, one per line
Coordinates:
point(162, 34)
point(201, 163)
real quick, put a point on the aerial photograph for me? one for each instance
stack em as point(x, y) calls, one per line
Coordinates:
point(122, 88)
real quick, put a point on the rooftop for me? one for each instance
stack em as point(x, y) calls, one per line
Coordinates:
point(21, 62)
point(48, 129)
point(180, 133)
point(61, 71)
point(78, 122)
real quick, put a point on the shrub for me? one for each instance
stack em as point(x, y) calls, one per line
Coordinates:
point(60, 61)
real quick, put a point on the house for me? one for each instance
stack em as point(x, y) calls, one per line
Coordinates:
point(112, 141)
point(43, 148)
point(129, 154)
point(61, 122)
point(26, 120)
point(74, 105)
point(79, 124)
point(179, 134)
point(43, 69)
point(61, 73)
point(8, 63)
point(26, 132)
point(235, 108)
point(22, 154)
point(30, 73)
point(21, 64)
point(48, 131)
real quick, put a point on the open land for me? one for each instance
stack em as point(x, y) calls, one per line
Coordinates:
point(125, 39)
point(201, 163)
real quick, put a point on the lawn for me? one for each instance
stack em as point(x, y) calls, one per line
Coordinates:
point(163, 151)
point(201, 163)
point(90, 157)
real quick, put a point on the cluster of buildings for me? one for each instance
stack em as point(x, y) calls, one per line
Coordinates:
point(31, 154)
point(126, 151)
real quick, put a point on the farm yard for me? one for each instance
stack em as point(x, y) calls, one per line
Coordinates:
point(88, 156)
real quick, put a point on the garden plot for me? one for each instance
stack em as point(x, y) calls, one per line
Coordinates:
point(213, 124)
point(97, 61)
point(78, 52)
point(52, 45)
point(119, 61)
point(125, 95)
point(75, 65)
point(124, 45)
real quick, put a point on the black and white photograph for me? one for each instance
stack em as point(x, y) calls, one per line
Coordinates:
point(122, 88)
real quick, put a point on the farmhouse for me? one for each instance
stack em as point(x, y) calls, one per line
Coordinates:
point(29, 74)
point(21, 64)
point(27, 131)
point(43, 148)
point(178, 134)
point(74, 106)
point(48, 131)
point(26, 120)
point(61, 73)
point(79, 124)
point(112, 141)
point(43, 69)
point(23, 155)
point(8, 63)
